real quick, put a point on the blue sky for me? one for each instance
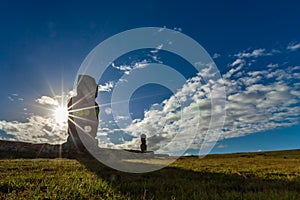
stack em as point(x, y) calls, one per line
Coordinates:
point(43, 44)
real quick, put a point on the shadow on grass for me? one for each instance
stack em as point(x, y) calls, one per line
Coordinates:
point(179, 183)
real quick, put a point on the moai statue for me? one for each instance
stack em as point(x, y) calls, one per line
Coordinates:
point(143, 145)
point(83, 115)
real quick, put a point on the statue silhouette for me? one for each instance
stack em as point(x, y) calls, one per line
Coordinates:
point(83, 115)
point(143, 145)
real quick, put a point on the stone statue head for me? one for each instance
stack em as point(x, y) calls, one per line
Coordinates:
point(87, 87)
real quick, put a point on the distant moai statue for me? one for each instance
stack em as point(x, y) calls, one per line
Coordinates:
point(143, 145)
point(83, 114)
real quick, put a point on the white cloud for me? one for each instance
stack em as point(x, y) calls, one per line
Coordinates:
point(255, 53)
point(257, 101)
point(293, 47)
point(10, 98)
point(253, 105)
point(272, 65)
point(222, 146)
point(107, 87)
point(136, 65)
point(122, 67)
point(237, 62)
point(216, 55)
point(140, 65)
point(120, 118)
point(232, 71)
point(108, 110)
point(36, 129)
point(159, 47)
point(15, 96)
point(178, 29)
point(46, 100)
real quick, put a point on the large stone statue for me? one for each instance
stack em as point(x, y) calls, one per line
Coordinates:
point(83, 115)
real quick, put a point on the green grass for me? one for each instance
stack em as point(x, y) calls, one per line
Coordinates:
point(272, 175)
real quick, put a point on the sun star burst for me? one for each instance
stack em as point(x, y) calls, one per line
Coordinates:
point(61, 114)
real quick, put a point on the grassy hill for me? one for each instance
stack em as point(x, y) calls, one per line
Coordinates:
point(264, 175)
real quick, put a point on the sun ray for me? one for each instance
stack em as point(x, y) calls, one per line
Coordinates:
point(84, 119)
point(77, 102)
point(72, 137)
point(43, 107)
point(84, 108)
point(79, 127)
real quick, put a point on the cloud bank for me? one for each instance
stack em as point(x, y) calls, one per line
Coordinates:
point(37, 129)
point(258, 100)
point(260, 97)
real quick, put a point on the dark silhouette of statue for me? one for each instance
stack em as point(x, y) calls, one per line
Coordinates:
point(143, 145)
point(83, 115)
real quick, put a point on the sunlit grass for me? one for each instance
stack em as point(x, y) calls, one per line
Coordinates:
point(240, 176)
point(51, 179)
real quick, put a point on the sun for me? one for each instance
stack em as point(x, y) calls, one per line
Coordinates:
point(61, 114)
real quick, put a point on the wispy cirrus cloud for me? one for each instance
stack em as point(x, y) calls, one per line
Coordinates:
point(255, 53)
point(136, 65)
point(216, 55)
point(293, 46)
point(15, 97)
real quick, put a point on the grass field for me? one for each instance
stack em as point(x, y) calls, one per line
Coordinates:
point(270, 175)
